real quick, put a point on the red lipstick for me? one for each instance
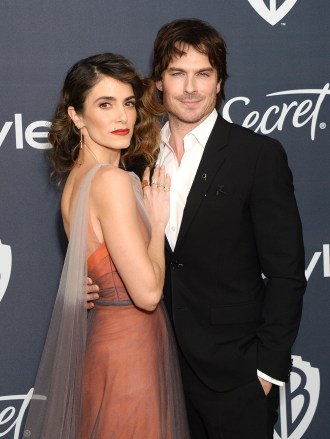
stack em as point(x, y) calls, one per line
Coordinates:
point(121, 132)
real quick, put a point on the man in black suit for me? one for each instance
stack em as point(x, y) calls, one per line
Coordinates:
point(233, 218)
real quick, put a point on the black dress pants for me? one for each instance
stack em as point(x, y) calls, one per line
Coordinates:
point(242, 413)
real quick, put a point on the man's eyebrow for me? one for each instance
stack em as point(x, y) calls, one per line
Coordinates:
point(178, 69)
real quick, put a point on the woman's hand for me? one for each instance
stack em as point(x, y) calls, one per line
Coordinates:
point(157, 196)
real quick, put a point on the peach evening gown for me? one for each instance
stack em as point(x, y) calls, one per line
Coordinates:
point(114, 375)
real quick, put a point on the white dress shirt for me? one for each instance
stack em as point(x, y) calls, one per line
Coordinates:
point(182, 177)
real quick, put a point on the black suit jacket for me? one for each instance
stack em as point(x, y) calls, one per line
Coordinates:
point(239, 222)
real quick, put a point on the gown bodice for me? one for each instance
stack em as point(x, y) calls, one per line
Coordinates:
point(103, 272)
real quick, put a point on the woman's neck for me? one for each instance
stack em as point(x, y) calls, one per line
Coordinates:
point(90, 156)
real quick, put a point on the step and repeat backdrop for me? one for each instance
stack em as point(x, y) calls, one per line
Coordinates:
point(279, 68)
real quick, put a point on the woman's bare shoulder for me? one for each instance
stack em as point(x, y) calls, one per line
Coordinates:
point(108, 176)
point(111, 182)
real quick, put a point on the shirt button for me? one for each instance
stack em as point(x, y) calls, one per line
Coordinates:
point(173, 229)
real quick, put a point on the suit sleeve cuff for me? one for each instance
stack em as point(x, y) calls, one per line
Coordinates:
point(270, 379)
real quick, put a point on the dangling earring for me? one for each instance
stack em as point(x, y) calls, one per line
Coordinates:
point(80, 145)
point(81, 139)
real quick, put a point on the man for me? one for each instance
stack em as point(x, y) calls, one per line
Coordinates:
point(233, 218)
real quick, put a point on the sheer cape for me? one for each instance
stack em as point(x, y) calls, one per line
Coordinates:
point(59, 375)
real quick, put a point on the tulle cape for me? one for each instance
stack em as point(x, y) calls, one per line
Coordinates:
point(54, 411)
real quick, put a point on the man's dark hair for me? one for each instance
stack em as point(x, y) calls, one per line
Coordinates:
point(174, 37)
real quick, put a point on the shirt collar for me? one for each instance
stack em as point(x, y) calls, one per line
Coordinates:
point(201, 132)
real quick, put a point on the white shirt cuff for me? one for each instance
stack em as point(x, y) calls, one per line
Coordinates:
point(270, 379)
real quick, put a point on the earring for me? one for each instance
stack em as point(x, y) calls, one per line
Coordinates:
point(81, 139)
point(80, 146)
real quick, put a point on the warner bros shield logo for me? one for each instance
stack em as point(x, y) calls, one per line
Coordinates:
point(298, 400)
point(275, 11)
point(5, 268)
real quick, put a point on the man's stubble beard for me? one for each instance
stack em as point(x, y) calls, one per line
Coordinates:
point(193, 120)
point(183, 117)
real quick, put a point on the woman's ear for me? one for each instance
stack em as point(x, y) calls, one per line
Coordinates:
point(75, 117)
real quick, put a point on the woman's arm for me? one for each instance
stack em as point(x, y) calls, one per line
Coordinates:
point(141, 266)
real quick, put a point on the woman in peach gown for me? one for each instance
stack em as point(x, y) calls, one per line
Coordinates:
point(114, 375)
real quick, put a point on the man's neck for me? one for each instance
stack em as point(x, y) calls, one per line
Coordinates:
point(178, 131)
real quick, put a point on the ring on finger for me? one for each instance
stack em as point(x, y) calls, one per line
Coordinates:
point(154, 182)
point(166, 189)
point(160, 185)
point(144, 183)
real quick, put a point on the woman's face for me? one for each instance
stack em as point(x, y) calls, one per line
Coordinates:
point(109, 114)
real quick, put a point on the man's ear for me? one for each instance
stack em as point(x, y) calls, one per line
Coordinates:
point(159, 85)
point(75, 117)
point(219, 86)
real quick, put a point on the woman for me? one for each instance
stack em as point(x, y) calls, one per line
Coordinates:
point(123, 380)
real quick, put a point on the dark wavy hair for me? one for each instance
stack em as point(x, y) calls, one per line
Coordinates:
point(174, 37)
point(85, 74)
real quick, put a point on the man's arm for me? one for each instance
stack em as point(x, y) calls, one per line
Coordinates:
point(279, 240)
point(92, 293)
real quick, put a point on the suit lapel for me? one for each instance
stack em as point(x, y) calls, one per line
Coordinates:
point(167, 245)
point(212, 159)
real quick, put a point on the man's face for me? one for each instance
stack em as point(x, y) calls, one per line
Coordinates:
point(190, 86)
